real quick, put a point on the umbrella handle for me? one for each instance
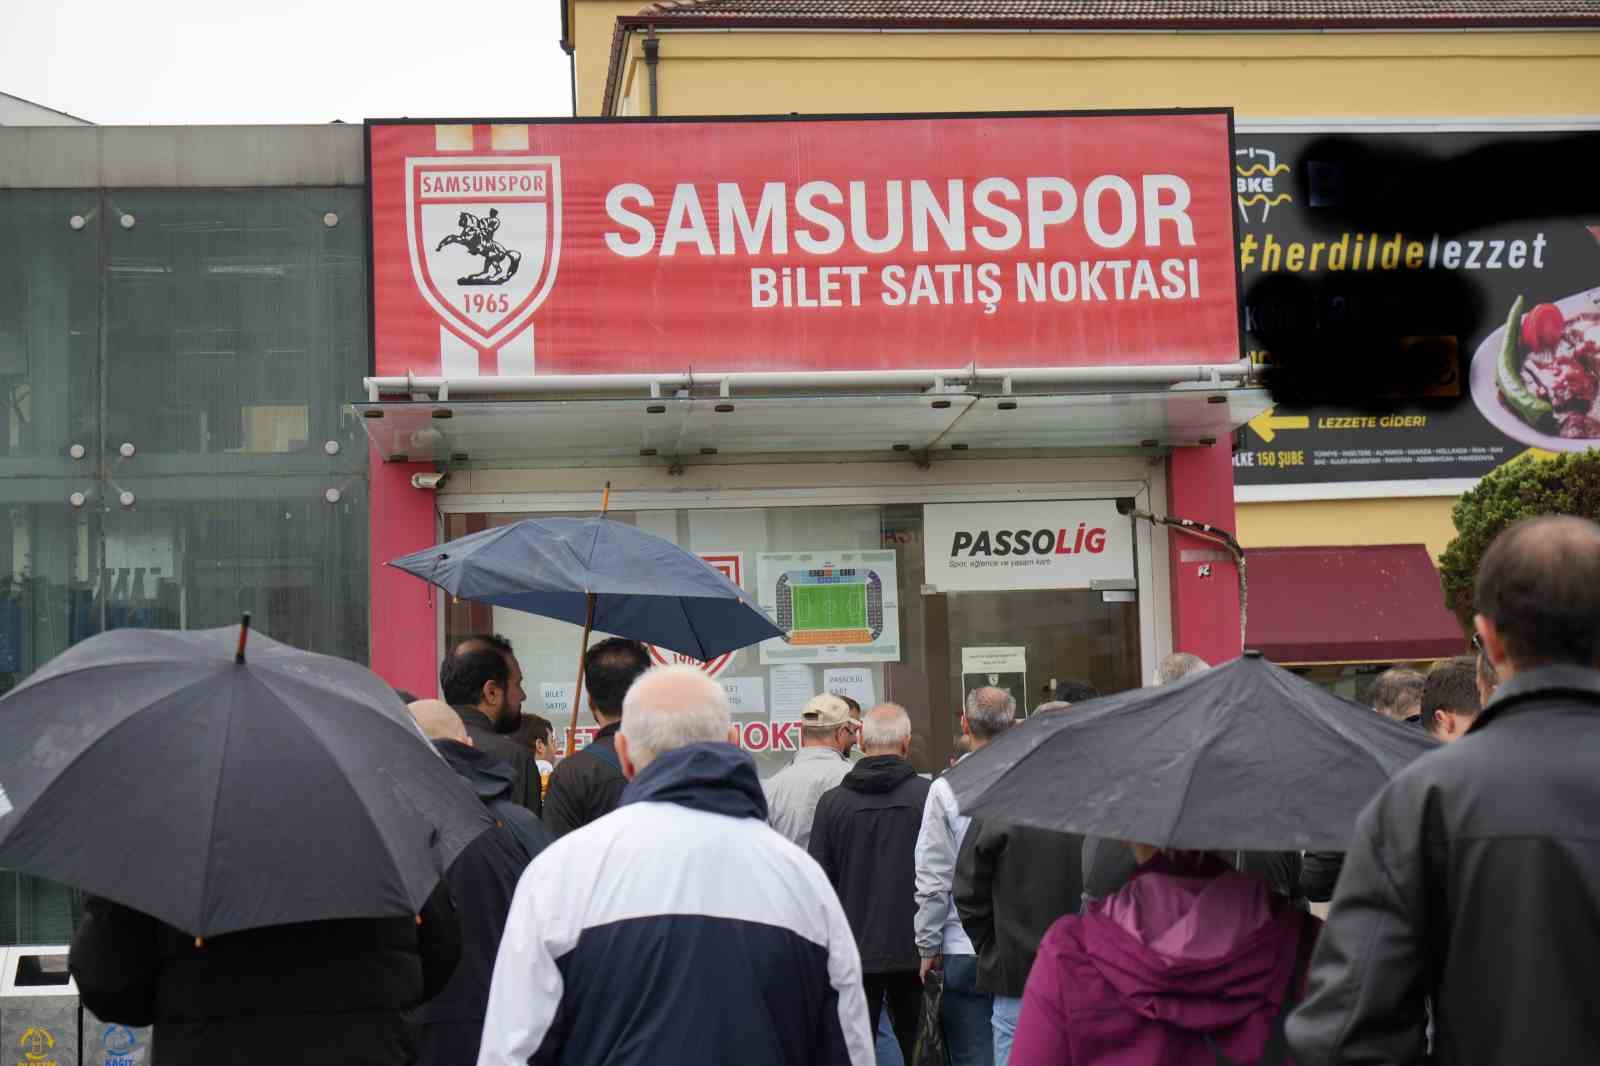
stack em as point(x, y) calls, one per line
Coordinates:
point(583, 647)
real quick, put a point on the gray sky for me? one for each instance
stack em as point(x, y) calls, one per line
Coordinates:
point(226, 61)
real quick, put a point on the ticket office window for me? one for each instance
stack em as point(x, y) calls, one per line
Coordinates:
point(1054, 635)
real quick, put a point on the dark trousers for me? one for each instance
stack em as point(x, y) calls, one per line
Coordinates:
point(904, 993)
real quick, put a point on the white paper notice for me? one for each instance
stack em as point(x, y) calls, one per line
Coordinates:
point(746, 695)
point(791, 689)
point(853, 681)
point(557, 700)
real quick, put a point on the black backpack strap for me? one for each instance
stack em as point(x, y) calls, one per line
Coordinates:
point(1276, 1052)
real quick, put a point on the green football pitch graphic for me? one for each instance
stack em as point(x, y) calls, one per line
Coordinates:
point(830, 607)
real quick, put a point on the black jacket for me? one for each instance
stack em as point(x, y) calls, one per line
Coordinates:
point(864, 836)
point(1012, 883)
point(525, 788)
point(493, 780)
point(1319, 874)
point(317, 993)
point(586, 784)
point(1474, 879)
point(481, 881)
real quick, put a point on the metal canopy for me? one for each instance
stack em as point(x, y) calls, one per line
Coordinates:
point(498, 431)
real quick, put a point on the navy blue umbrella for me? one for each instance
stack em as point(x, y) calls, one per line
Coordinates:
point(643, 587)
point(600, 574)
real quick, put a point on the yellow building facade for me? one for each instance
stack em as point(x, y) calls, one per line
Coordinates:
point(754, 57)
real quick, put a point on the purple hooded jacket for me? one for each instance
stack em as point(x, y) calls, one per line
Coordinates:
point(1144, 975)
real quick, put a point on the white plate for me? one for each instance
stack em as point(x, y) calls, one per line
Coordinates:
point(1486, 389)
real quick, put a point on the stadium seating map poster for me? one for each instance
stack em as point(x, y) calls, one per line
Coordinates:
point(1386, 256)
point(833, 606)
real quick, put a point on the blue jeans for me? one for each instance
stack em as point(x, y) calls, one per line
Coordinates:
point(1006, 1009)
point(965, 1013)
point(885, 1045)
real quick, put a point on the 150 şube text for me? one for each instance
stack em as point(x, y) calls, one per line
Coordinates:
point(1382, 268)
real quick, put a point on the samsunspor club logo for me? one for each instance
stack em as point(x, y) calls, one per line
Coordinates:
point(484, 235)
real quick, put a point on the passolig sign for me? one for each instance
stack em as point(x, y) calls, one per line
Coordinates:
point(1013, 240)
point(1047, 544)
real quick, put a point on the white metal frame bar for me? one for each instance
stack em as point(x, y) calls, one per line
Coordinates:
point(1219, 375)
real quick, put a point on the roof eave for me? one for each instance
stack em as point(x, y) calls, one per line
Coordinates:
point(689, 18)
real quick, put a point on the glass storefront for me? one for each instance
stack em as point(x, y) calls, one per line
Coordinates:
point(827, 567)
point(172, 446)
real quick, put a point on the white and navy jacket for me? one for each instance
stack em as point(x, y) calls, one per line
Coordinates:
point(680, 928)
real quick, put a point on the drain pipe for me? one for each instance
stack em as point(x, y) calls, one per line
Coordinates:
point(572, 75)
point(652, 59)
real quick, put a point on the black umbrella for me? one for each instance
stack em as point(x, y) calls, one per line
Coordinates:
point(1245, 756)
point(162, 770)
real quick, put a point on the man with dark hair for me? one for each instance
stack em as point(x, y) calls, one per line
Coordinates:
point(482, 680)
point(538, 735)
point(854, 754)
point(1498, 826)
point(588, 783)
point(1450, 697)
point(1397, 694)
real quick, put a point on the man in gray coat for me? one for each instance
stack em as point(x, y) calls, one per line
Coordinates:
point(827, 733)
point(1473, 878)
point(941, 941)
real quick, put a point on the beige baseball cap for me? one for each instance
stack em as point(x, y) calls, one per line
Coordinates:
point(825, 710)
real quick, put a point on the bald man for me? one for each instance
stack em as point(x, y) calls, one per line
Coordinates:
point(679, 927)
point(481, 882)
point(491, 778)
point(1474, 877)
point(865, 837)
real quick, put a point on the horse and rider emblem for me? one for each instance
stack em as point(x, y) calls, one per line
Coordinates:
point(484, 234)
point(477, 237)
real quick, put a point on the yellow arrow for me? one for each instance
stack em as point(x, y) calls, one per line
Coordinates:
point(1266, 424)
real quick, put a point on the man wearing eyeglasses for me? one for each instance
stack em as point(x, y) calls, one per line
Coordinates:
point(1488, 680)
point(1473, 879)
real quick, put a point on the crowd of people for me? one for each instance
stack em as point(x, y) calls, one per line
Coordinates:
point(650, 900)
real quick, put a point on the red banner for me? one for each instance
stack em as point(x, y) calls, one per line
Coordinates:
point(850, 244)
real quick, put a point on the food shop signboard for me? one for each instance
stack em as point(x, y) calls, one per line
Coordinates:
point(1490, 298)
point(839, 244)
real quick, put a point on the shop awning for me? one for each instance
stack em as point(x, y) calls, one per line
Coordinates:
point(1378, 604)
point(548, 429)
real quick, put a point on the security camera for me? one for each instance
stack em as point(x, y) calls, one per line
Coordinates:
point(1125, 505)
point(429, 482)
